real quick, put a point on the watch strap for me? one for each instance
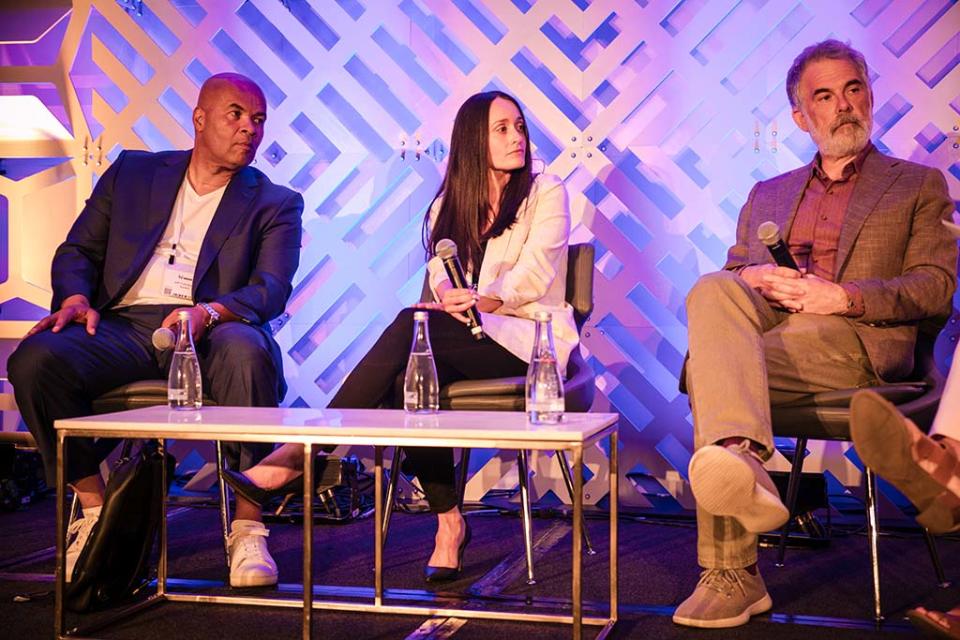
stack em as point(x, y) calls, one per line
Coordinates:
point(214, 315)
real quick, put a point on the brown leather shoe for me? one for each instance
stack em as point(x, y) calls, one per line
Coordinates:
point(921, 467)
point(936, 624)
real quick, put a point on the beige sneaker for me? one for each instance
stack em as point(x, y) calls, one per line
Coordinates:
point(724, 598)
point(251, 564)
point(731, 481)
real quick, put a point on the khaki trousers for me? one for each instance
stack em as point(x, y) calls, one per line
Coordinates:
point(744, 356)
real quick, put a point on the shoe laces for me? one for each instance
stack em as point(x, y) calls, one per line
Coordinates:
point(80, 530)
point(246, 542)
point(722, 581)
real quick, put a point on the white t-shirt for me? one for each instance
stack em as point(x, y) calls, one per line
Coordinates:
point(168, 276)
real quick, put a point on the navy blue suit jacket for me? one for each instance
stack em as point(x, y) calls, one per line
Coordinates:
point(248, 256)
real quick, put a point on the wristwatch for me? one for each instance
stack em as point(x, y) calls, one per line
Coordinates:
point(213, 313)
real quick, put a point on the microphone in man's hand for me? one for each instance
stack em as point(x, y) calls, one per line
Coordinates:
point(446, 250)
point(163, 339)
point(769, 234)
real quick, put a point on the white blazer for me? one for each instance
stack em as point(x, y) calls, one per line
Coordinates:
point(526, 268)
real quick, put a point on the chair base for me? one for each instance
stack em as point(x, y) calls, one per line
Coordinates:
point(806, 532)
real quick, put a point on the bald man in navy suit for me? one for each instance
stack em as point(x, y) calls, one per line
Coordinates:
point(198, 231)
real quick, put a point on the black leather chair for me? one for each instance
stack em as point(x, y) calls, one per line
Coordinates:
point(508, 394)
point(826, 416)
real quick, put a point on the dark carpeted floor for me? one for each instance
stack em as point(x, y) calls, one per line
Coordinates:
point(822, 593)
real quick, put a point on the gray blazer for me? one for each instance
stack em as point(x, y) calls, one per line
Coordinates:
point(892, 246)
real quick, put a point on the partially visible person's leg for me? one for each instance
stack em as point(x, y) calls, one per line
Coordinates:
point(939, 624)
point(926, 469)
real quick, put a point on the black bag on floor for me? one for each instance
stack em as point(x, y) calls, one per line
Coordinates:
point(115, 562)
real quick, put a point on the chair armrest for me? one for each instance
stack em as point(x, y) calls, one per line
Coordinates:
point(508, 393)
point(897, 393)
point(136, 395)
point(489, 387)
point(826, 416)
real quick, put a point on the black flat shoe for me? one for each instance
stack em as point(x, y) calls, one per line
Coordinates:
point(446, 574)
point(244, 486)
point(328, 471)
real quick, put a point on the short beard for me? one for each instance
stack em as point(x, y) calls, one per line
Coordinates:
point(846, 141)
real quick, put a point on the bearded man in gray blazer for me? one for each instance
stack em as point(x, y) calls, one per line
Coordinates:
point(875, 260)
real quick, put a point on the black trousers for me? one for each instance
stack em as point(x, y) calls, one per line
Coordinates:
point(58, 375)
point(458, 357)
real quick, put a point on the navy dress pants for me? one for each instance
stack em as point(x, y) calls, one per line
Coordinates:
point(58, 375)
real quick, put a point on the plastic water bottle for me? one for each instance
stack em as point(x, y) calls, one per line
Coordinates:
point(421, 388)
point(184, 385)
point(544, 388)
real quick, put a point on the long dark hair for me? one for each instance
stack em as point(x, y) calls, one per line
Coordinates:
point(465, 190)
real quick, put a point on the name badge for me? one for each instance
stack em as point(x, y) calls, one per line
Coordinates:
point(178, 281)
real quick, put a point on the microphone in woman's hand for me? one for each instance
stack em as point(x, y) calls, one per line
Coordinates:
point(446, 250)
point(769, 234)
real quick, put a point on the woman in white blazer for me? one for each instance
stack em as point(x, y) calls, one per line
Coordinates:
point(515, 225)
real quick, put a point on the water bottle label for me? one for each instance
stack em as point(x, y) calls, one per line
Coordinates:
point(177, 395)
point(410, 399)
point(414, 403)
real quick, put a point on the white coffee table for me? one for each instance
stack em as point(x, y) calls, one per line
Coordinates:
point(373, 427)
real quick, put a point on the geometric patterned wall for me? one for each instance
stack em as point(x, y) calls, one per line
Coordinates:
point(659, 116)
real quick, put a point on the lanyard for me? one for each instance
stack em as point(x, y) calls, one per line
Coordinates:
point(178, 222)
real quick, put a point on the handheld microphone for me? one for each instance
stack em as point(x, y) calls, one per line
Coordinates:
point(446, 250)
point(163, 339)
point(769, 234)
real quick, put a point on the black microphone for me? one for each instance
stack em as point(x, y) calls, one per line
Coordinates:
point(163, 339)
point(769, 234)
point(446, 250)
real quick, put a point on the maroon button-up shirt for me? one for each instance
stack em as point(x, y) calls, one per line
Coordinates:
point(815, 234)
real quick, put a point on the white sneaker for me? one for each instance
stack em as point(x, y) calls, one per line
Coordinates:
point(250, 562)
point(79, 531)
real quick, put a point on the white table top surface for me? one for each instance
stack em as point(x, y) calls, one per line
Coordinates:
point(353, 424)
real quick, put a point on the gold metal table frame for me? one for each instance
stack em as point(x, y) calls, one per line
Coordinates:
point(333, 427)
